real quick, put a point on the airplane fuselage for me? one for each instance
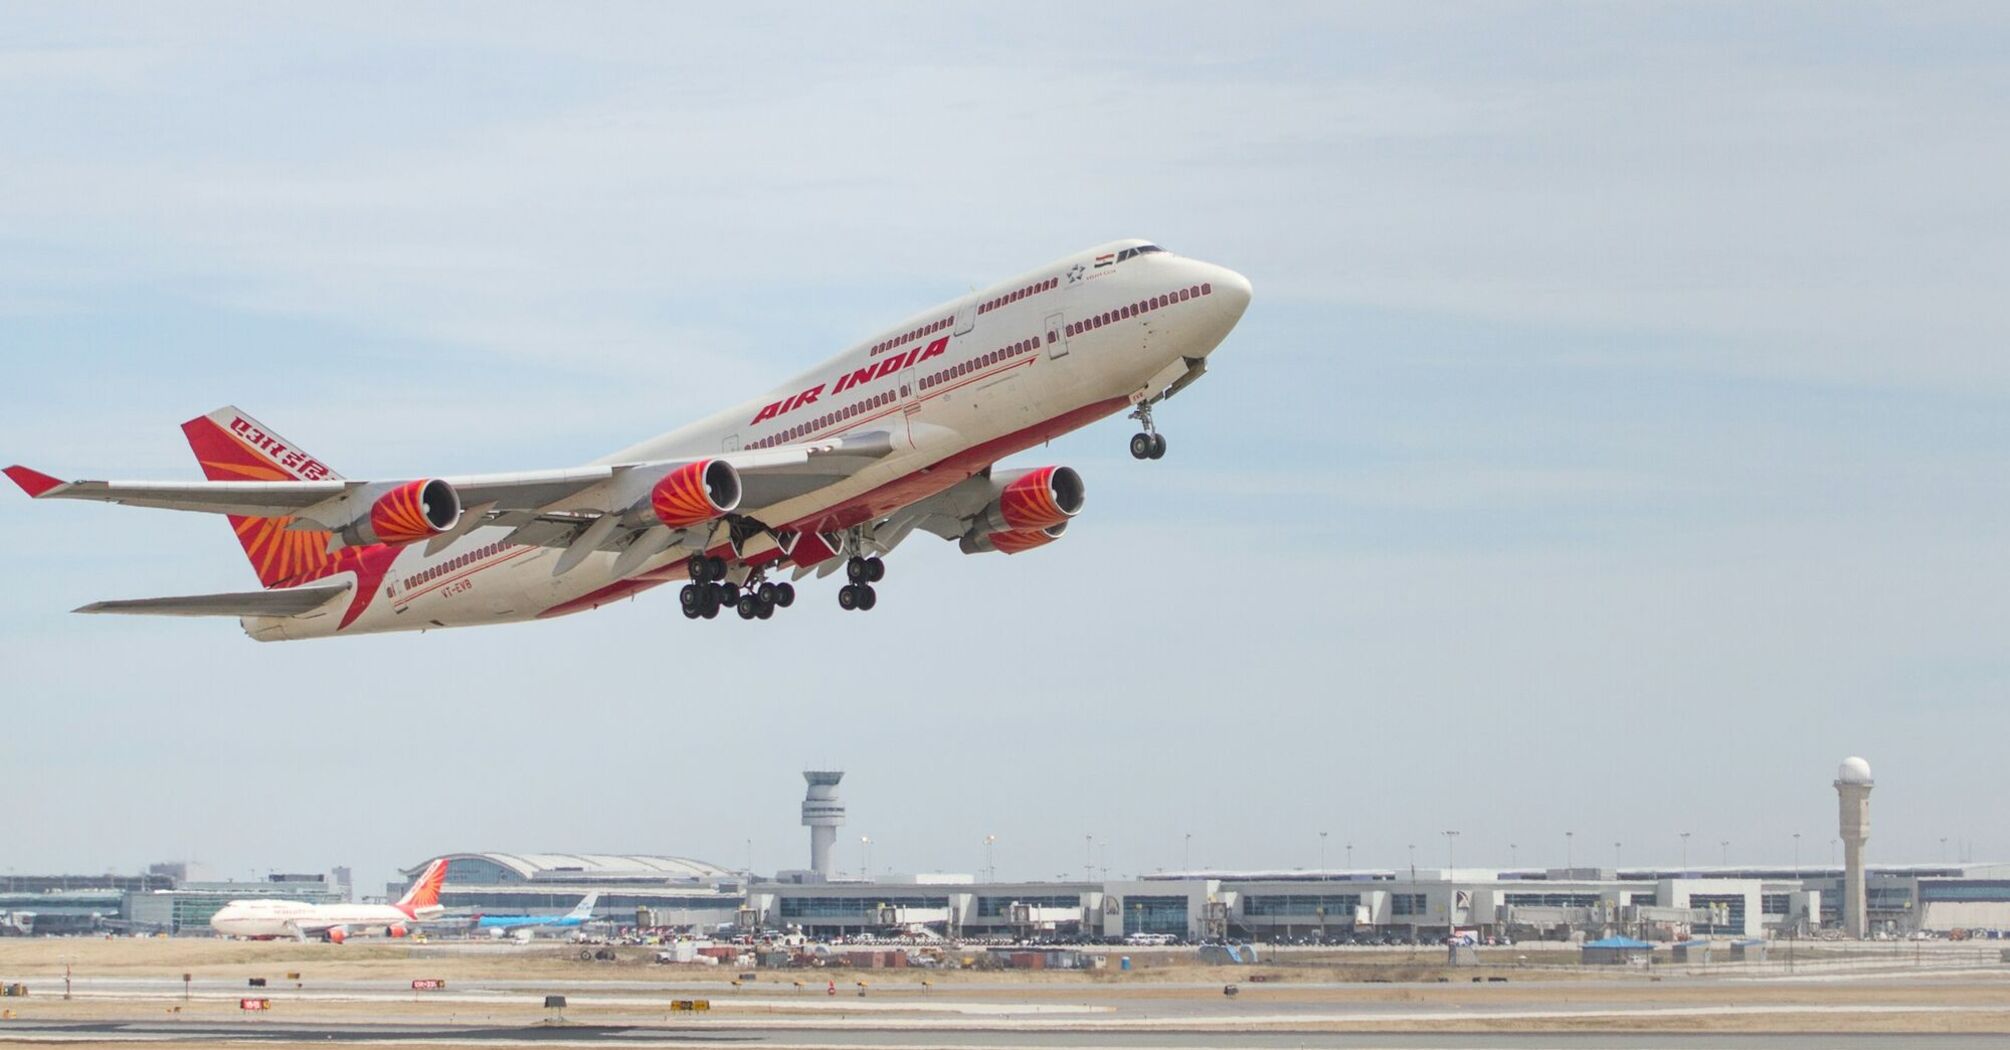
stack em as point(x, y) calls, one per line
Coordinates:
point(950, 391)
point(263, 917)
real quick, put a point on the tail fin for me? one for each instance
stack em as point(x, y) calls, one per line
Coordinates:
point(232, 446)
point(584, 909)
point(425, 893)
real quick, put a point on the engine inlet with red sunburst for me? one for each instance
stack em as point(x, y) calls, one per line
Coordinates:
point(415, 510)
point(695, 493)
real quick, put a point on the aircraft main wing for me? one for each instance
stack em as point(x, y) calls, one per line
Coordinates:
point(770, 475)
point(529, 490)
point(287, 601)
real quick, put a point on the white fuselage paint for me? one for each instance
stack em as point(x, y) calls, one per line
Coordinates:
point(478, 581)
point(262, 917)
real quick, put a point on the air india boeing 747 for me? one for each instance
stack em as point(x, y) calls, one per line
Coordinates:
point(828, 471)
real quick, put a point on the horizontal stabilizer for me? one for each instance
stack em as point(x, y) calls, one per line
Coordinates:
point(287, 601)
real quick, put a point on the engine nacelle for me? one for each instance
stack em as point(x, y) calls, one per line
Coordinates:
point(336, 935)
point(695, 493)
point(1011, 541)
point(415, 510)
point(396, 930)
point(1031, 500)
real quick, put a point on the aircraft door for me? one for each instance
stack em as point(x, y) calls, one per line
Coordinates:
point(910, 400)
point(1057, 335)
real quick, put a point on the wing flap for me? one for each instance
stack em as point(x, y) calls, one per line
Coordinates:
point(287, 601)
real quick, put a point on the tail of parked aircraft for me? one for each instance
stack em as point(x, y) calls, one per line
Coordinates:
point(584, 909)
point(232, 446)
point(424, 896)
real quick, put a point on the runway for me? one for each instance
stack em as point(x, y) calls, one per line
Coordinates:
point(700, 1035)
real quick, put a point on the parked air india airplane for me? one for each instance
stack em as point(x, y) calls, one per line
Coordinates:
point(830, 470)
point(261, 918)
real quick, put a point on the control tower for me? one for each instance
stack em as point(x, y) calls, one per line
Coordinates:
point(822, 813)
point(1853, 784)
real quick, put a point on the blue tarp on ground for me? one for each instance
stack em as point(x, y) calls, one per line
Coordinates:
point(1619, 942)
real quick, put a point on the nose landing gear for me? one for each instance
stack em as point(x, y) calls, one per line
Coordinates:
point(1150, 444)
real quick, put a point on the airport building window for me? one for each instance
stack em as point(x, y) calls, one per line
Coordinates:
point(1408, 903)
point(851, 908)
point(995, 907)
point(1991, 890)
point(1550, 900)
point(1339, 907)
point(1155, 915)
point(1776, 903)
point(1734, 907)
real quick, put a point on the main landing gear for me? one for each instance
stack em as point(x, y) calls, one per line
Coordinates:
point(709, 592)
point(863, 573)
point(1151, 444)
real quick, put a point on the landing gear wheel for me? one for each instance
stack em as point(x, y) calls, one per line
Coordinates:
point(750, 607)
point(867, 597)
point(765, 609)
point(728, 594)
point(848, 597)
point(785, 595)
point(699, 567)
point(875, 571)
point(766, 592)
point(691, 598)
point(1158, 446)
point(711, 610)
point(1141, 446)
point(856, 571)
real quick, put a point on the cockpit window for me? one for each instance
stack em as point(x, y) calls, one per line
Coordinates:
point(1142, 249)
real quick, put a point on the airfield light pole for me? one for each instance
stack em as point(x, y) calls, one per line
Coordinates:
point(1615, 859)
point(1685, 853)
point(1187, 867)
point(1350, 856)
point(1569, 857)
point(1089, 857)
point(990, 862)
point(1725, 857)
point(1512, 862)
point(1322, 856)
point(1450, 838)
point(865, 861)
point(1797, 854)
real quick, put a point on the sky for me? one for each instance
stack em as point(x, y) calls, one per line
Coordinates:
point(1617, 439)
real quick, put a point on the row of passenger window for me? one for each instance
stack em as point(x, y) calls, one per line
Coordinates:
point(981, 361)
point(1141, 307)
point(456, 563)
point(879, 400)
point(907, 337)
point(1009, 298)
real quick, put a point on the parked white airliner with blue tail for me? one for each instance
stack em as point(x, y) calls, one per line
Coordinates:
point(828, 471)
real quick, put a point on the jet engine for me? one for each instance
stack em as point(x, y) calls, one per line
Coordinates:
point(396, 930)
point(336, 935)
point(695, 493)
point(1011, 541)
point(1031, 500)
point(415, 510)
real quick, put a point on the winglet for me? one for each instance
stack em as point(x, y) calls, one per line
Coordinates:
point(33, 482)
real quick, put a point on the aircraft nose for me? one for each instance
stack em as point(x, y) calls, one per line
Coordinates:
point(1232, 289)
